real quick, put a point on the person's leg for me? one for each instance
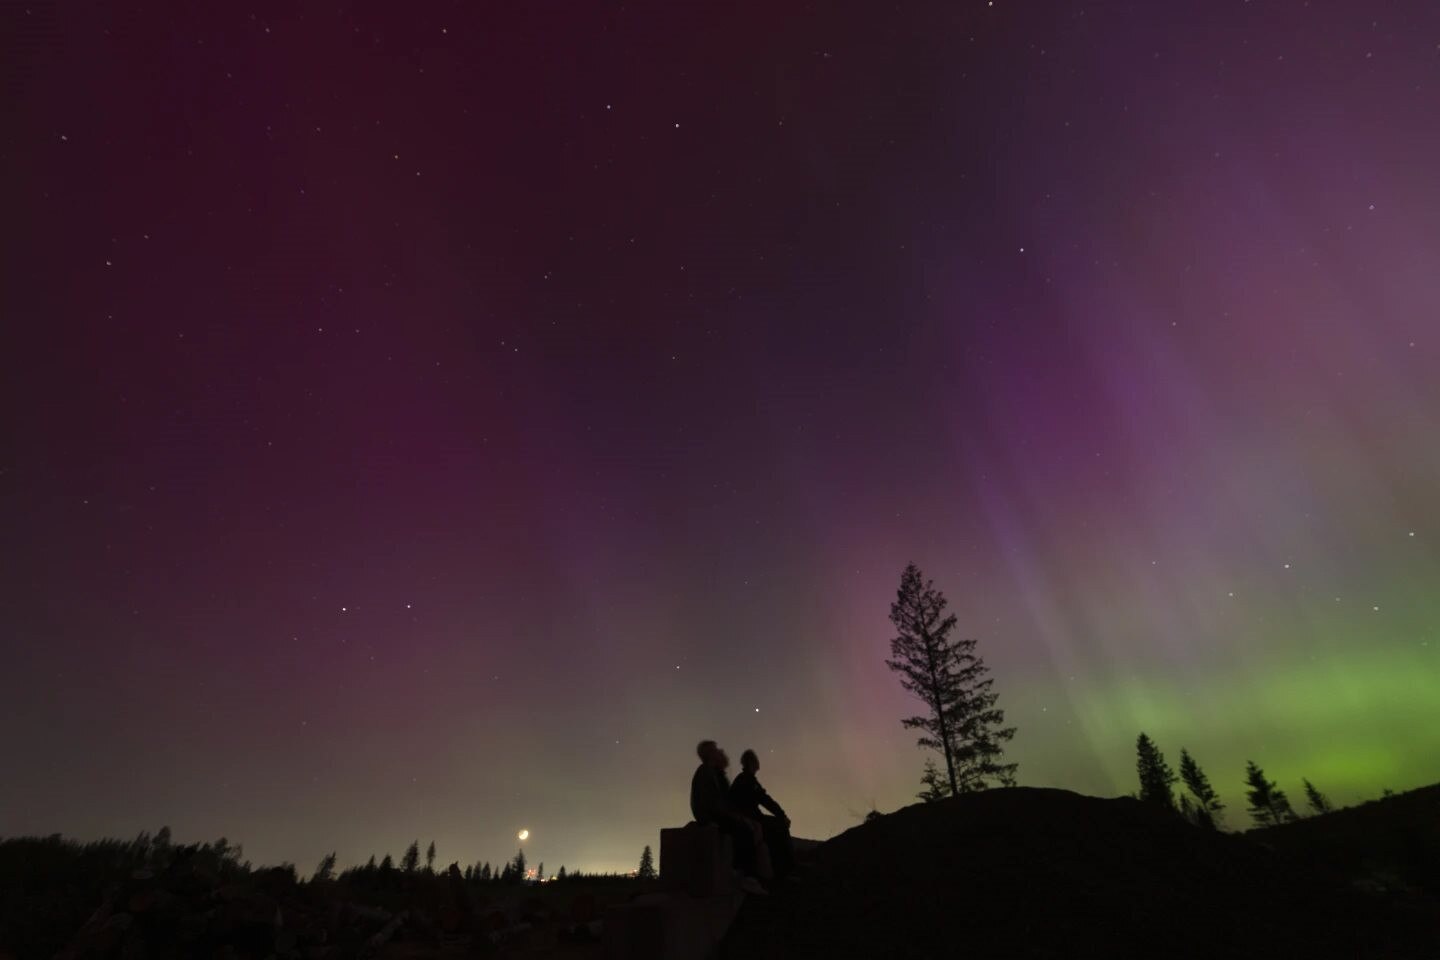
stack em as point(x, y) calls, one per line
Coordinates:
point(742, 845)
point(782, 852)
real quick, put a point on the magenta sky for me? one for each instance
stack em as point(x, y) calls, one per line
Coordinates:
point(429, 420)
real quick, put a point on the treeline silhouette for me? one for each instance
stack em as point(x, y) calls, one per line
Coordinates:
point(513, 872)
point(1268, 805)
point(56, 891)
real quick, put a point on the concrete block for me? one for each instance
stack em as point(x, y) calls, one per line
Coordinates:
point(696, 860)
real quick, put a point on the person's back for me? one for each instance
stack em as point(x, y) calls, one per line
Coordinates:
point(745, 794)
point(707, 797)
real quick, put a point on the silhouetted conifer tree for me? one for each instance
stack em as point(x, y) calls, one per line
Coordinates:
point(647, 864)
point(1156, 777)
point(1268, 803)
point(935, 785)
point(325, 870)
point(518, 865)
point(411, 861)
point(430, 858)
point(1207, 809)
point(560, 874)
point(485, 871)
point(387, 865)
point(540, 871)
point(1319, 803)
point(370, 864)
point(943, 671)
point(469, 873)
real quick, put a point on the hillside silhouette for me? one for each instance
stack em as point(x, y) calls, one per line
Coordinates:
point(1028, 872)
point(1011, 872)
point(1390, 845)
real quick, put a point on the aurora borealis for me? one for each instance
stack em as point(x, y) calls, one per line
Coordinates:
point(429, 421)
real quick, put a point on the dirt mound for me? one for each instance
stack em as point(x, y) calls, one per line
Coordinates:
point(1047, 873)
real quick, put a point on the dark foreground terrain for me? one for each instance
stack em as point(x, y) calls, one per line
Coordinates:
point(1021, 872)
point(1047, 873)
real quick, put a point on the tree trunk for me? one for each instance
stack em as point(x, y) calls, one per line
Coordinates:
point(935, 694)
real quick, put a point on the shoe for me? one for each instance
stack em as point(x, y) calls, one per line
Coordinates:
point(751, 885)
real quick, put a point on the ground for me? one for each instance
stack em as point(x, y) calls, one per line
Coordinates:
point(1046, 873)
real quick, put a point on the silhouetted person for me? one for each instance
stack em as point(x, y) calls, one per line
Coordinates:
point(710, 803)
point(748, 797)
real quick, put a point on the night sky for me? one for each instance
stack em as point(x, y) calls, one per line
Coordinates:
point(429, 420)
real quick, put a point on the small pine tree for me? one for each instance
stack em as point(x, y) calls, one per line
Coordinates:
point(1319, 803)
point(560, 874)
point(411, 861)
point(518, 865)
point(962, 721)
point(388, 864)
point(936, 787)
point(540, 871)
point(1268, 804)
point(370, 864)
point(647, 864)
point(469, 873)
point(485, 871)
point(430, 858)
point(1207, 807)
point(1156, 778)
point(325, 870)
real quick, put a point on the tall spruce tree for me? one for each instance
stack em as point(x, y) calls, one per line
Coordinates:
point(1208, 808)
point(1268, 804)
point(647, 864)
point(935, 785)
point(1319, 803)
point(962, 723)
point(411, 861)
point(1156, 778)
point(430, 858)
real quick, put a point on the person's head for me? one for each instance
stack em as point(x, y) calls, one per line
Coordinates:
point(749, 762)
point(708, 752)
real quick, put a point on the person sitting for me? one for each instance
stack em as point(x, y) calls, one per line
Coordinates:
point(710, 803)
point(747, 796)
